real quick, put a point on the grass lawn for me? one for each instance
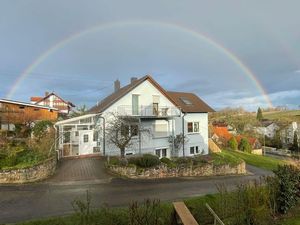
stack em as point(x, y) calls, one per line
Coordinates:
point(293, 217)
point(291, 115)
point(260, 161)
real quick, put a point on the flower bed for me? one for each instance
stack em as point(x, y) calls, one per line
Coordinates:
point(211, 165)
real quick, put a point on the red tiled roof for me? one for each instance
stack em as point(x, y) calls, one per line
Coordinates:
point(222, 132)
point(35, 99)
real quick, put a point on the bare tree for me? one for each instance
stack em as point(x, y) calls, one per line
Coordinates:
point(120, 130)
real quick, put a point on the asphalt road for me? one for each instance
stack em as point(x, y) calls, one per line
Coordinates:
point(26, 202)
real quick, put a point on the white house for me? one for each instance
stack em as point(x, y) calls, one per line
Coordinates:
point(287, 134)
point(161, 113)
point(268, 129)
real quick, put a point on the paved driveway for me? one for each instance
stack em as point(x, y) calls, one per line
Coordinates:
point(80, 170)
point(25, 202)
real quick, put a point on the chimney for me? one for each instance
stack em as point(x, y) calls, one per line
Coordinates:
point(46, 93)
point(117, 85)
point(133, 79)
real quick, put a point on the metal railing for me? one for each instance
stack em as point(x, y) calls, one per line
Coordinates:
point(217, 220)
point(151, 111)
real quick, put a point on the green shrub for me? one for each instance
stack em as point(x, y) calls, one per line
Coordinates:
point(168, 162)
point(245, 145)
point(233, 144)
point(288, 180)
point(184, 161)
point(114, 161)
point(40, 128)
point(145, 161)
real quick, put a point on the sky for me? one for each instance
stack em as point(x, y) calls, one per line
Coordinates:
point(212, 48)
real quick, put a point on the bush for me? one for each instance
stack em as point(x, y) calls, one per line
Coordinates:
point(233, 144)
point(40, 129)
point(168, 162)
point(184, 161)
point(245, 145)
point(145, 161)
point(288, 180)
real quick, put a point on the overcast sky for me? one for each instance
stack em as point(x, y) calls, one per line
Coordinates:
point(134, 38)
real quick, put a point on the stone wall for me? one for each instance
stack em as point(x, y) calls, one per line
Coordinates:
point(163, 171)
point(35, 173)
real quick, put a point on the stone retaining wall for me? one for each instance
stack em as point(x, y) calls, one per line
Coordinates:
point(35, 173)
point(163, 171)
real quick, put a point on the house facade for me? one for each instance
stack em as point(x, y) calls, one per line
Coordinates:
point(55, 101)
point(268, 129)
point(159, 114)
point(287, 134)
point(16, 112)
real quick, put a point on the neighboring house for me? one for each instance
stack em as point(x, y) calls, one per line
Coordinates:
point(254, 142)
point(55, 101)
point(268, 129)
point(221, 136)
point(160, 113)
point(287, 134)
point(16, 112)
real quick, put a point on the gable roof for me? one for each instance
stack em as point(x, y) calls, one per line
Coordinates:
point(52, 93)
point(111, 99)
point(197, 104)
point(26, 104)
point(189, 102)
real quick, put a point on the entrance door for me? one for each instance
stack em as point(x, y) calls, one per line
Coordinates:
point(86, 142)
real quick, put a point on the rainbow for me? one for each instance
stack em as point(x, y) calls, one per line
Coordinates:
point(99, 27)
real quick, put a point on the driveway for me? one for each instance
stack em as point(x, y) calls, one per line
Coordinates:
point(76, 170)
point(25, 202)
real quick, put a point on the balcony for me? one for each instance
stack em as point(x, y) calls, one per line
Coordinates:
point(148, 111)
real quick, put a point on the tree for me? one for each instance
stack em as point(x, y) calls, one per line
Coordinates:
point(233, 144)
point(295, 142)
point(277, 140)
point(259, 115)
point(41, 128)
point(245, 145)
point(79, 111)
point(177, 141)
point(120, 130)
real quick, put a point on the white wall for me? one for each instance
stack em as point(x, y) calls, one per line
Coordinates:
point(194, 139)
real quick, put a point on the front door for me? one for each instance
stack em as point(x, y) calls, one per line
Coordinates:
point(86, 142)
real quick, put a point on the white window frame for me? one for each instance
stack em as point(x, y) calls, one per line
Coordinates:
point(193, 127)
point(196, 149)
point(160, 152)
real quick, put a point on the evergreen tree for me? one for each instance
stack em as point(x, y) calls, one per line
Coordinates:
point(259, 115)
point(233, 144)
point(245, 145)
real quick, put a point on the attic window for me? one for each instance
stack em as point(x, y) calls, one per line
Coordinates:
point(186, 101)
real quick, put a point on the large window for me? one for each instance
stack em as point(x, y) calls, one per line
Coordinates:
point(160, 129)
point(134, 129)
point(135, 104)
point(193, 127)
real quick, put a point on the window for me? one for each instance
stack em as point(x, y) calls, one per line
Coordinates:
point(196, 127)
point(134, 129)
point(193, 127)
point(190, 127)
point(157, 152)
point(124, 130)
point(155, 109)
point(135, 104)
point(22, 107)
point(160, 129)
point(36, 109)
point(192, 150)
point(85, 138)
point(76, 133)
point(95, 136)
point(186, 101)
point(161, 152)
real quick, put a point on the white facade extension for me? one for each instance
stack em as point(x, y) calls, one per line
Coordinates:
point(159, 117)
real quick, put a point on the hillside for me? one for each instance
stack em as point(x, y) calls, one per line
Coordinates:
point(284, 116)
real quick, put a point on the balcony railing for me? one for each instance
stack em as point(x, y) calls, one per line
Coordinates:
point(148, 111)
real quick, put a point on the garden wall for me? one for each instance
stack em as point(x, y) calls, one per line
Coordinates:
point(162, 171)
point(35, 173)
